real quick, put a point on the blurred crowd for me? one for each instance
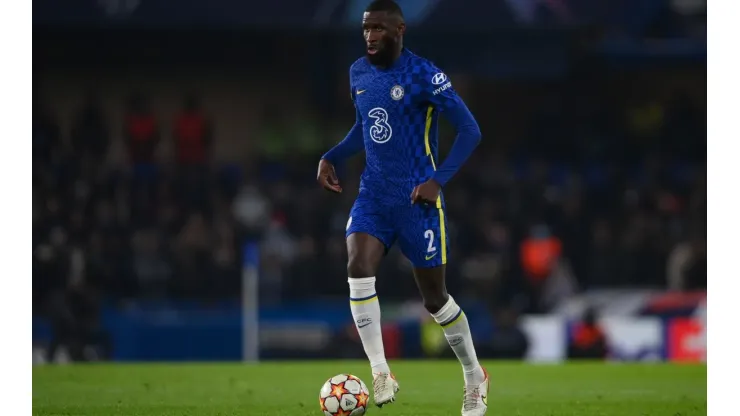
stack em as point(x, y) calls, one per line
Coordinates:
point(573, 187)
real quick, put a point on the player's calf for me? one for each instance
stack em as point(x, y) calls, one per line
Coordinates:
point(454, 323)
point(365, 308)
point(366, 314)
point(365, 253)
point(448, 314)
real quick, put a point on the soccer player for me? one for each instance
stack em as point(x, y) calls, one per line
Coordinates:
point(399, 97)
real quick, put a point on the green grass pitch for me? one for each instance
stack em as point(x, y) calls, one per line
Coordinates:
point(428, 388)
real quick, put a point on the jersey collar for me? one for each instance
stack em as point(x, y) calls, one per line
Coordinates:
point(402, 59)
point(398, 63)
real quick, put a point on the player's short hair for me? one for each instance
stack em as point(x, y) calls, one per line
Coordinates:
point(388, 6)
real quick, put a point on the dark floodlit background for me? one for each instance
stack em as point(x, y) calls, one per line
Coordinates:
point(175, 147)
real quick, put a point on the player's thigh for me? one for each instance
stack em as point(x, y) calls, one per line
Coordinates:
point(369, 236)
point(422, 235)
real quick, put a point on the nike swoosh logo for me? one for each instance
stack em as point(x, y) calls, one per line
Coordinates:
point(484, 395)
point(362, 326)
point(360, 91)
point(430, 257)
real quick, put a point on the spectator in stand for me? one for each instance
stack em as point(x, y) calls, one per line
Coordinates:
point(193, 137)
point(142, 135)
point(540, 254)
point(588, 341)
point(141, 130)
point(193, 134)
point(617, 214)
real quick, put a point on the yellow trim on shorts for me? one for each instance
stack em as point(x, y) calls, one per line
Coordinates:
point(428, 148)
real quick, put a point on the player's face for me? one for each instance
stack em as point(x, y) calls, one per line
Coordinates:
point(382, 37)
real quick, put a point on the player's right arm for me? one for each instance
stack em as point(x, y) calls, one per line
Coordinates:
point(352, 144)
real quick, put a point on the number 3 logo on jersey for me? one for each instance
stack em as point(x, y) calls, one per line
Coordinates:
point(380, 131)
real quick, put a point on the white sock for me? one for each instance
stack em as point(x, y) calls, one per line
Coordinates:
point(457, 331)
point(366, 312)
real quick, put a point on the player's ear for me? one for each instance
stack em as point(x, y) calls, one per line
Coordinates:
point(401, 28)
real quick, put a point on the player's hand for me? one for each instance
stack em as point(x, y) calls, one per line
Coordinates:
point(327, 177)
point(427, 192)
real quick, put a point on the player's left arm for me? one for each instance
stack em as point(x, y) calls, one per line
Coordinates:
point(437, 90)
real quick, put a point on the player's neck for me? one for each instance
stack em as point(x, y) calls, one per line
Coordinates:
point(399, 51)
point(396, 56)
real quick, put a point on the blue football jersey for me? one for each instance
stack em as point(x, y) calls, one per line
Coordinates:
point(399, 108)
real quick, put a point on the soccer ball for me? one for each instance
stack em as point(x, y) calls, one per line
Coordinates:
point(344, 395)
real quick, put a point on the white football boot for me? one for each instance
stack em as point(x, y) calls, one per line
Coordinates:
point(475, 400)
point(385, 388)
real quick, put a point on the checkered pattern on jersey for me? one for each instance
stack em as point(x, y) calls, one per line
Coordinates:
point(395, 104)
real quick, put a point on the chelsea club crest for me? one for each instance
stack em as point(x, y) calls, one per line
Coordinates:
point(397, 92)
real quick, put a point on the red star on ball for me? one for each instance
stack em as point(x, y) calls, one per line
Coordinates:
point(338, 390)
point(362, 399)
point(342, 412)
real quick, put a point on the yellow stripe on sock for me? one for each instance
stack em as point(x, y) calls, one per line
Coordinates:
point(361, 301)
point(454, 321)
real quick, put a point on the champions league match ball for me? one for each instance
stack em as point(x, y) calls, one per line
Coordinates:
point(344, 395)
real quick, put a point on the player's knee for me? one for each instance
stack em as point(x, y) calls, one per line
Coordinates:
point(433, 303)
point(359, 267)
